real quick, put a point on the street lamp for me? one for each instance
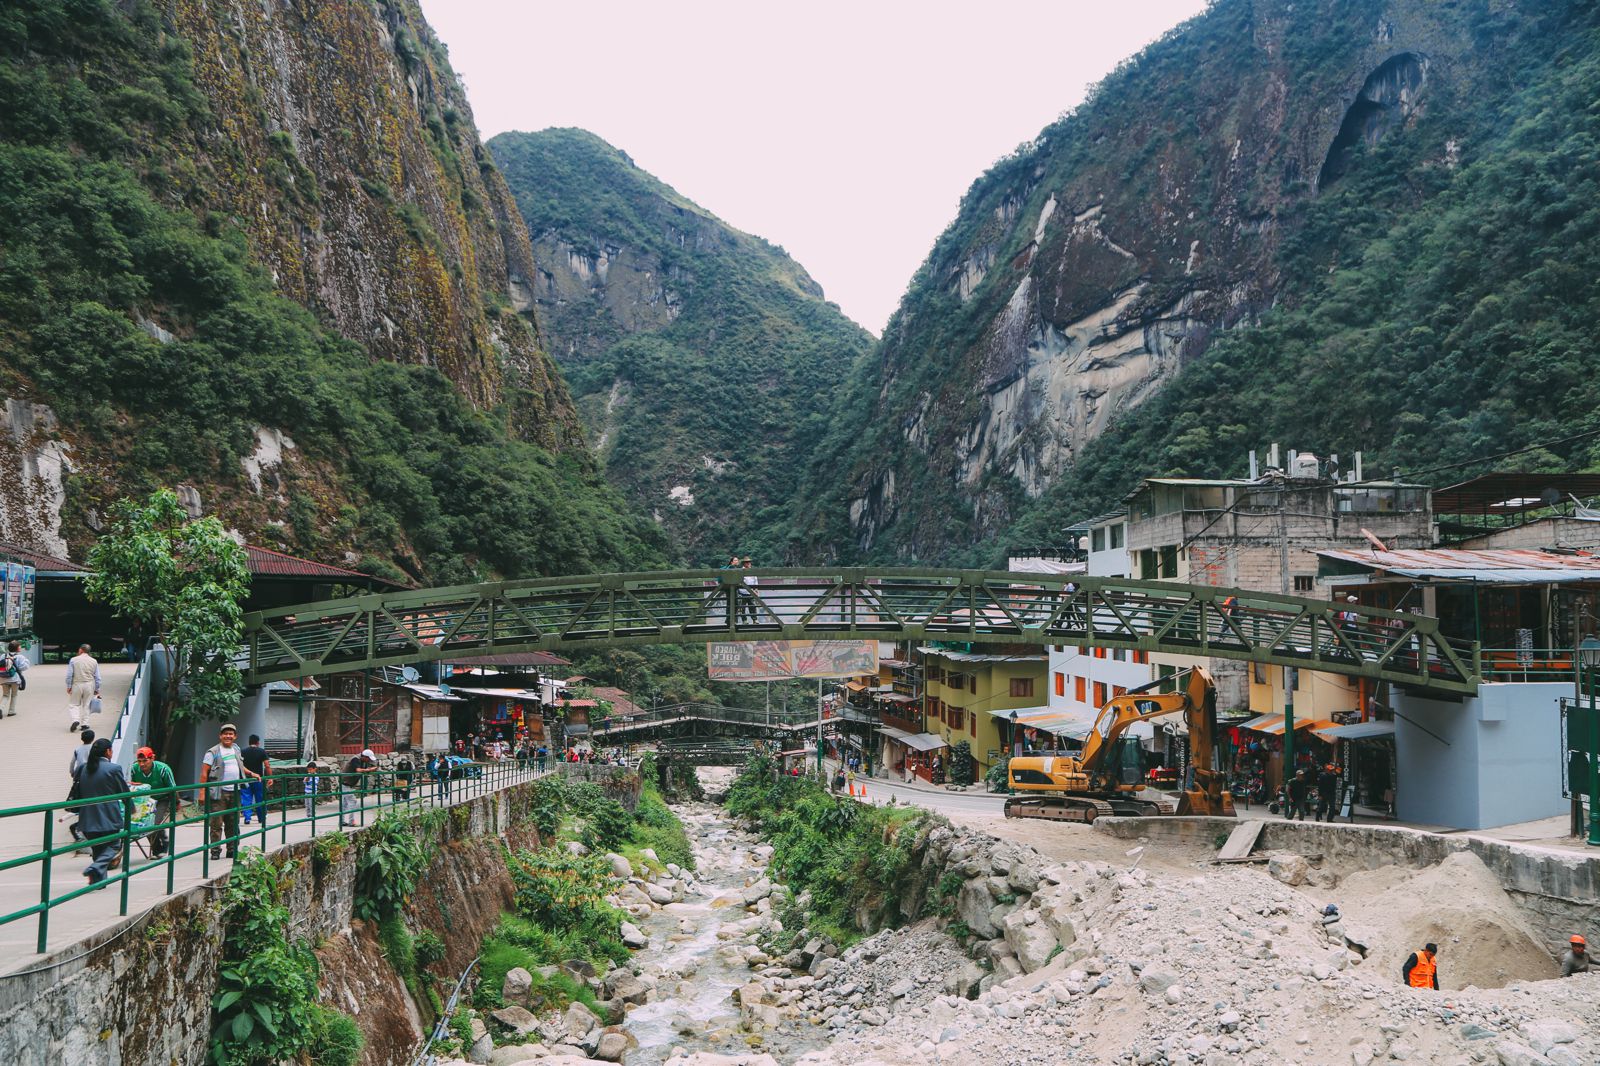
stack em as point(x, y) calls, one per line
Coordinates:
point(1589, 662)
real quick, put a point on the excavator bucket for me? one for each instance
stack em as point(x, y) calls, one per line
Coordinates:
point(1197, 802)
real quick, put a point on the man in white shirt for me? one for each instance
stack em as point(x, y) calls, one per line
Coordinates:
point(13, 664)
point(223, 767)
point(83, 685)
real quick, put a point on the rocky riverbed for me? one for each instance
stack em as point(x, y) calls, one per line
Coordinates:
point(1079, 961)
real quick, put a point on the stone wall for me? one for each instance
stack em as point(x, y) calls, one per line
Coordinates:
point(1558, 889)
point(140, 991)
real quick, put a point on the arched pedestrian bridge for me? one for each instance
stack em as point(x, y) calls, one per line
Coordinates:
point(972, 606)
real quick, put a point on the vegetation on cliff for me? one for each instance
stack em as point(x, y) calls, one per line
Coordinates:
point(700, 356)
point(143, 298)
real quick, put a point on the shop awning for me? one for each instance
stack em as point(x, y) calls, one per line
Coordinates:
point(1056, 722)
point(1358, 731)
point(1276, 728)
point(893, 734)
point(894, 697)
point(925, 741)
point(1263, 723)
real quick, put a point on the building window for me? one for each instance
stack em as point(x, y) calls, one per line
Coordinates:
point(1305, 583)
point(1119, 654)
point(1117, 534)
point(1061, 683)
point(1169, 561)
point(1119, 690)
point(1141, 657)
point(1080, 689)
point(972, 683)
point(1097, 540)
point(1022, 686)
point(1164, 672)
point(972, 723)
point(1147, 564)
point(1099, 693)
point(1099, 653)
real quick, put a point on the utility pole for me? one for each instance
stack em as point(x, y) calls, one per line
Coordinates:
point(1290, 674)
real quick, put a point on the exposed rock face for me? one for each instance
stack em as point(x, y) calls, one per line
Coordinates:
point(366, 191)
point(1085, 269)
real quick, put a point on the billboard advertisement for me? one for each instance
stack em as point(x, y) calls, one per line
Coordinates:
point(13, 596)
point(783, 660)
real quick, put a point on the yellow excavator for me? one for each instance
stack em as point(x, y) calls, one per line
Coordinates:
point(1107, 776)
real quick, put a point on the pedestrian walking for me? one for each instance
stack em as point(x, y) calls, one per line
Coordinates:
point(356, 772)
point(80, 755)
point(1327, 793)
point(253, 793)
point(1576, 960)
point(439, 770)
point(748, 608)
point(83, 686)
point(223, 769)
point(1299, 796)
point(101, 776)
point(1422, 968)
point(544, 757)
point(157, 776)
point(13, 666)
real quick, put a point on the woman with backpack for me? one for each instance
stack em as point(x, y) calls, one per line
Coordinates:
point(100, 776)
point(13, 670)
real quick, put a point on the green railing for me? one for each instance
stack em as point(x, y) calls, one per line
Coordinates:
point(1528, 664)
point(979, 607)
point(184, 829)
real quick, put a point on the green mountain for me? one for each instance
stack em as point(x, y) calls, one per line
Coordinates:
point(705, 362)
point(1342, 225)
point(258, 252)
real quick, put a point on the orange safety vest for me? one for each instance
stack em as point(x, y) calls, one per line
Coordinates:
point(1422, 973)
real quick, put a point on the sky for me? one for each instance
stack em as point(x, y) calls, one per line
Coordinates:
point(846, 132)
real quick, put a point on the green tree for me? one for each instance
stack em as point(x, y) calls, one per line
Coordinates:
point(183, 580)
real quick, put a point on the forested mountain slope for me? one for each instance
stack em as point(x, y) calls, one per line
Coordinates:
point(258, 251)
point(705, 361)
point(1352, 224)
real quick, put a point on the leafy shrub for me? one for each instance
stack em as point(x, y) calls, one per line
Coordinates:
point(327, 850)
point(606, 825)
point(336, 1039)
point(429, 948)
point(391, 862)
point(559, 890)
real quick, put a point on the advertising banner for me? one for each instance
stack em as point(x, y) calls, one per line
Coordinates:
point(13, 596)
point(782, 660)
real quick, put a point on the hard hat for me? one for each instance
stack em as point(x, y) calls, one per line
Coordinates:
point(1578, 940)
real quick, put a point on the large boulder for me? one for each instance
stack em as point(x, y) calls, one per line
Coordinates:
point(1289, 868)
point(515, 1019)
point(757, 892)
point(621, 868)
point(516, 987)
point(624, 985)
point(660, 895)
point(578, 1021)
point(611, 1047)
point(973, 906)
point(633, 936)
point(1030, 938)
point(512, 1054)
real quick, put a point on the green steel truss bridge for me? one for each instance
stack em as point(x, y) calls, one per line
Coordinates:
point(960, 606)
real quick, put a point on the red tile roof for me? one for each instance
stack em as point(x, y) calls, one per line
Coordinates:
point(38, 560)
point(619, 699)
point(263, 562)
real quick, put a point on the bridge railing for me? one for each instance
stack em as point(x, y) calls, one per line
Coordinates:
point(705, 712)
point(972, 606)
point(165, 836)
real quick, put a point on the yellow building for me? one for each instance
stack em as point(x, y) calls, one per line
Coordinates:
point(964, 683)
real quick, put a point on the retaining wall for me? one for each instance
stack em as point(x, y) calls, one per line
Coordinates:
point(140, 991)
point(1558, 888)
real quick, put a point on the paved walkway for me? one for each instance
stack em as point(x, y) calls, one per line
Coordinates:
point(40, 747)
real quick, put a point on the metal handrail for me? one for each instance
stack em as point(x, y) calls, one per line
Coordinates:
point(1528, 664)
point(380, 790)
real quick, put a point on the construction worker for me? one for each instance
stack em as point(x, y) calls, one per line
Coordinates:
point(1576, 960)
point(1421, 969)
point(1327, 793)
point(1299, 796)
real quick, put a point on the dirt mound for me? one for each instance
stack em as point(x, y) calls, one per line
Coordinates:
point(1483, 938)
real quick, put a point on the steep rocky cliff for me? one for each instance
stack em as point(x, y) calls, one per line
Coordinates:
point(704, 360)
point(1186, 198)
point(182, 174)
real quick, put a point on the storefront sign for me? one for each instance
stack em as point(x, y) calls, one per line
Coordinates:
point(781, 660)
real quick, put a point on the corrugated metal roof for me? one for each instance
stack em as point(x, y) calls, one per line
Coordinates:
point(1510, 566)
point(1358, 731)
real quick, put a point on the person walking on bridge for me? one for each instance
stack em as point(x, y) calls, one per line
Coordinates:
point(1422, 968)
point(83, 685)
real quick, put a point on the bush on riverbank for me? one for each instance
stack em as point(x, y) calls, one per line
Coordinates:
point(851, 857)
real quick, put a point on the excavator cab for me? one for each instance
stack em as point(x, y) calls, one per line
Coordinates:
point(1126, 765)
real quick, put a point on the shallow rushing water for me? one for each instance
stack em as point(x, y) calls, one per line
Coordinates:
point(693, 1006)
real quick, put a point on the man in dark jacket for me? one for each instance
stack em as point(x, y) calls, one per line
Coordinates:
point(1327, 793)
point(100, 776)
point(1299, 796)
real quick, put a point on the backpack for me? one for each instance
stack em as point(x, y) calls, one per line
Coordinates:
point(8, 671)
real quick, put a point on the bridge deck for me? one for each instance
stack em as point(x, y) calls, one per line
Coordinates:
point(978, 607)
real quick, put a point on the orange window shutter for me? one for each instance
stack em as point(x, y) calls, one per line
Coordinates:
point(1099, 693)
point(1061, 683)
point(1080, 689)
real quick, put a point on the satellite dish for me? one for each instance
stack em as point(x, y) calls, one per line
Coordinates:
point(409, 674)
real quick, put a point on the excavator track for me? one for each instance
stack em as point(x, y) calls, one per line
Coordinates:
point(1058, 808)
point(1131, 808)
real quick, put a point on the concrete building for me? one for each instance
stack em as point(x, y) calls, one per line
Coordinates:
point(965, 684)
point(1264, 535)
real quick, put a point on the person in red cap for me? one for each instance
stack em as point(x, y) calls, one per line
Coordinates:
point(147, 770)
point(1576, 960)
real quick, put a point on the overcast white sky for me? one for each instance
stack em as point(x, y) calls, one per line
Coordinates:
point(843, 130)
